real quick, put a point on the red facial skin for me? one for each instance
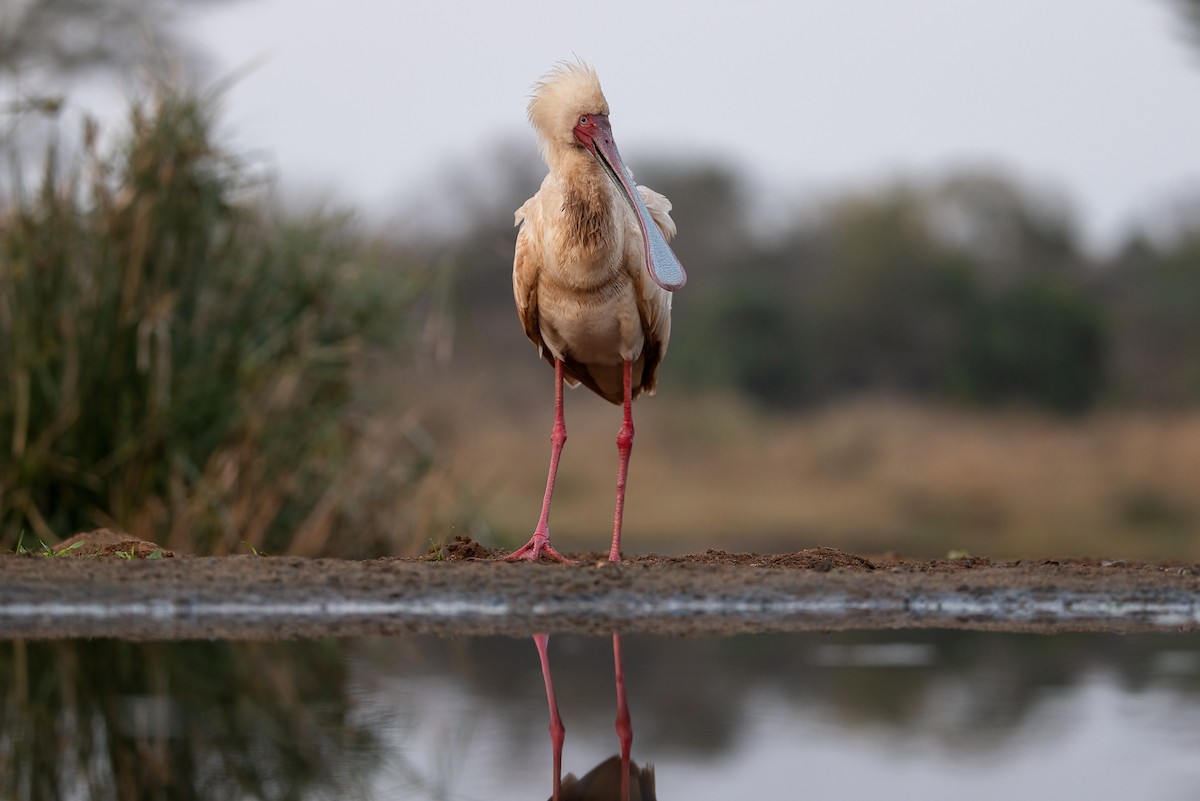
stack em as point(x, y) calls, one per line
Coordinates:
point(590, 127)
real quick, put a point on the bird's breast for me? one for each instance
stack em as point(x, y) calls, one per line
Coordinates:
point(594, 325)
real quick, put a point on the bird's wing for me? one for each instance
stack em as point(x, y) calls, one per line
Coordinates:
point(660, 210)
point(654, 302)
point(527, 263)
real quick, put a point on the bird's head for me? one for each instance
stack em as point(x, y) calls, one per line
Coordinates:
point(565, 95)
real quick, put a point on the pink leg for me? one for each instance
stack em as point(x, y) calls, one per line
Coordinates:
point(539, 544)
point(624, 448)
point(558, 732)
point(624, 725)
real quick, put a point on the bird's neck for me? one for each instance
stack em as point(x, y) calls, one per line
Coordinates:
point(588, 199)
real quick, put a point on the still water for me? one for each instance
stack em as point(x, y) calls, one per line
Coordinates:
point(922, 715)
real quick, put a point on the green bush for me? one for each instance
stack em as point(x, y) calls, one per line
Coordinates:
point(756, 344)
point(175, 363)
point(1155, 297)
point(1036, 343)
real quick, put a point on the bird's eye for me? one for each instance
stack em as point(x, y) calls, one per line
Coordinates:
point(583, 120)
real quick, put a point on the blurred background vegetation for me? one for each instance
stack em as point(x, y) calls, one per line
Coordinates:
point(934, 363)
point(180, 360)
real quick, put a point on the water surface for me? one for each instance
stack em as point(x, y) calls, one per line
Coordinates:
point(929, 715)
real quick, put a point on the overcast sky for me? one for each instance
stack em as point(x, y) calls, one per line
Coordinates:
point(1097, 98)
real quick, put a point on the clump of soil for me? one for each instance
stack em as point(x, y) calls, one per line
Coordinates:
point(106, 542)
point(462, 549)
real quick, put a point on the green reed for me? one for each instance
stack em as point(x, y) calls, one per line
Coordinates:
point(176, 356)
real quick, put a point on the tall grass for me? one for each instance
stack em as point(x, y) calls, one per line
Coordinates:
point(174, 362)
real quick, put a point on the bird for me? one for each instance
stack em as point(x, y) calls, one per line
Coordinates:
point(592, 271)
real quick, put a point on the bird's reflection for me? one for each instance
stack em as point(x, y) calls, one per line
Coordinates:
point(603, 783)
point(616, 778)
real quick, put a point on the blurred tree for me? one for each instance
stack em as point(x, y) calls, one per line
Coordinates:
point(70, 37)
point(1189, 10)
point(1012, 233)
point(751, 341)
point(886, 302)
point(1040, 343)
point(49, 46)
point(910, 290)
point(471, 257)
point(1154, 291)
point(481, 248)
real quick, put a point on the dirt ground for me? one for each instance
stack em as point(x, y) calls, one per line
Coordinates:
point(111, 586)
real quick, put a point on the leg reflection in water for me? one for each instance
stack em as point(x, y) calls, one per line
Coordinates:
point(614, 779)
point(557, 732)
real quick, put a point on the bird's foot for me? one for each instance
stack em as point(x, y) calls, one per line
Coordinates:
point(536, 549)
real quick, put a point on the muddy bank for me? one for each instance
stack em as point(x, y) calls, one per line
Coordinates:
point(96, 591)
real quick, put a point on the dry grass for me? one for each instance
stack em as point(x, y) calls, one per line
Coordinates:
point(872, 475)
